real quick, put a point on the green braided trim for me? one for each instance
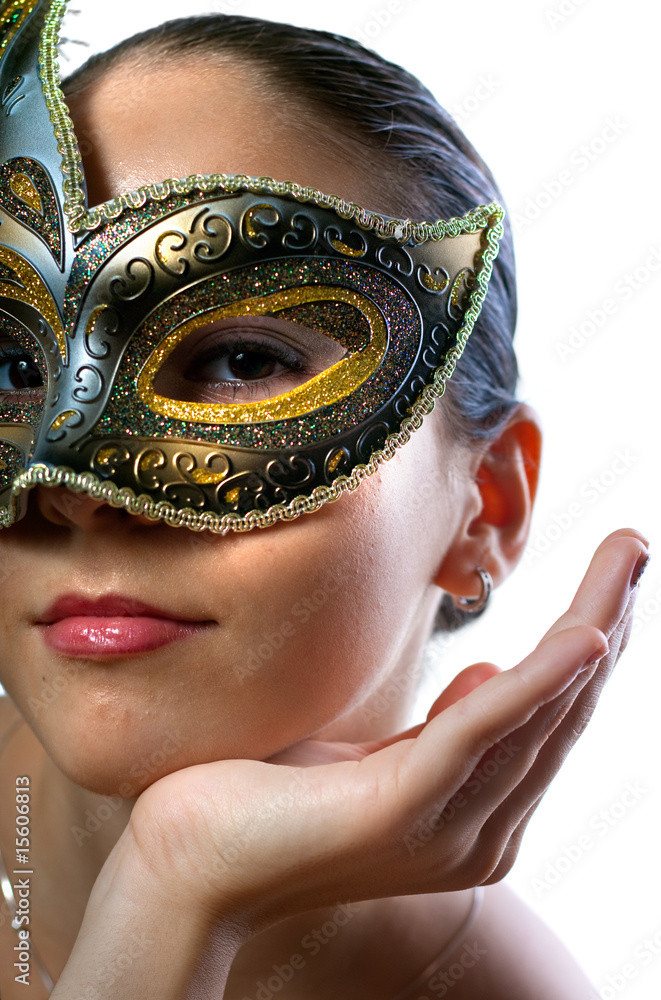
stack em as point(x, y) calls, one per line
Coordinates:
point(67, 144)
point(41, 475)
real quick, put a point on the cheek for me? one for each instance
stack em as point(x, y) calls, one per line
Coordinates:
point(312, 615)
point(321, 608)
point(13, 631)
point(307, 625)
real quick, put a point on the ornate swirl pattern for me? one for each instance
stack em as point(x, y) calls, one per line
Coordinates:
point(333, 237)
point(256, 219)
point(152, 266)
point(136, 281)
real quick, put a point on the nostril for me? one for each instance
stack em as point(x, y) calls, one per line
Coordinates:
point(64, 508)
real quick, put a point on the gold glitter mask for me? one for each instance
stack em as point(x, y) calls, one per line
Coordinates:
point(218, 352)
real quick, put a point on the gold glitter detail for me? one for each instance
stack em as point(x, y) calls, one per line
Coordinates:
point(324, 389)
point(435, 286)
point(16, 11)
point(207, 478)
point(151, 460)
point(465, 276)
point(232, 495)
point(104, 455)
point(251, 232)
point(62, 419)
point(125, 498)
point(3, 465)
point(93, 317)
point(23, 187)
point(345, 249)
point(34, 293)
point(335, 461)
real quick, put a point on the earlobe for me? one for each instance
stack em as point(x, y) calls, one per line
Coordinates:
point(495, 529)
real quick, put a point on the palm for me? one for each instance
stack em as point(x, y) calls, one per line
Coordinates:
point(442, 806)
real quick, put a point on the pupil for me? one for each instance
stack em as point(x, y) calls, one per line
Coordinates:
point(25, 375)
point(251, 365)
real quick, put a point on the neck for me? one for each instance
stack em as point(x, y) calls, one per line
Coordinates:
point(72, 832)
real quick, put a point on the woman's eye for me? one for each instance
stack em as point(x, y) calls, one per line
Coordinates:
point(18, 372)
point(244, 364)
point(257, 359)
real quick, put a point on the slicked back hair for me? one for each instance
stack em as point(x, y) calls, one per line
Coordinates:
point(432, 168)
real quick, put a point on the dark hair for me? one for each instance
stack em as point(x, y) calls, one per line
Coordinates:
point(391, 113)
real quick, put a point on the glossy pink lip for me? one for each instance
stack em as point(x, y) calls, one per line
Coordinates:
point(112, 625)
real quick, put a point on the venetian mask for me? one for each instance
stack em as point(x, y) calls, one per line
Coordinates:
point(219, 352)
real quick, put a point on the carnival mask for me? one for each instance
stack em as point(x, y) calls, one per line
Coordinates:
point(218, 352)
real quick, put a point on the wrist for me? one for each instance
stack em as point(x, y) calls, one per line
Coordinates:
point(143, 937)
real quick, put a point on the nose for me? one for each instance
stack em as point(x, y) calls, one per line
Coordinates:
point(75, 510)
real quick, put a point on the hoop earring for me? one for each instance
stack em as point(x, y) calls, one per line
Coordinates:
point(474, 605)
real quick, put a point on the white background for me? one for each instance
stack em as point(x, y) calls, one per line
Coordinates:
point(561, 100)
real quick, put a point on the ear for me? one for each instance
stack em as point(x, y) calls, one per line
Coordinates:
point(495, 527)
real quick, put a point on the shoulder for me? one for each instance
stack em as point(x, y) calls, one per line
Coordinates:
point(510, 954)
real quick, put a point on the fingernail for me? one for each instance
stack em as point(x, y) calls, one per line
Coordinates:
point(639, 569)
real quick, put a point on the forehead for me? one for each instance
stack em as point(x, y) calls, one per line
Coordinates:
point(138, 123)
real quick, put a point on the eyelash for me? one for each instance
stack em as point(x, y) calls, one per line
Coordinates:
point(7, 352)
point(225, 348)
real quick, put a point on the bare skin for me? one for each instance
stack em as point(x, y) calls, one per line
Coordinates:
point(352, 790)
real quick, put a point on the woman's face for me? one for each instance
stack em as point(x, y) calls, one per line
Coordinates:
point(291, 631)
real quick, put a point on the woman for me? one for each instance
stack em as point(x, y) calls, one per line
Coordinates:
point(273, 647)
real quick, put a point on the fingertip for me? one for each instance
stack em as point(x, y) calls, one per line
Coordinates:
point(573, 649)
point(466, 681)
point(598, 645)
point(628, 533)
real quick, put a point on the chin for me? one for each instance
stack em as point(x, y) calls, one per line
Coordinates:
point(108, 769)
point(121, 760)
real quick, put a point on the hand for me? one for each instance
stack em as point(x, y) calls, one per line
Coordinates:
point(440, 807)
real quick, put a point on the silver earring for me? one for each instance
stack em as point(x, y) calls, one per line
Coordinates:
point(473, 605)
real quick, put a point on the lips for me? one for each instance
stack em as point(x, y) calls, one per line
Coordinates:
point(111, 626)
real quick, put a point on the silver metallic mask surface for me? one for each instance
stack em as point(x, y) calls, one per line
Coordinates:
point(346, 324)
